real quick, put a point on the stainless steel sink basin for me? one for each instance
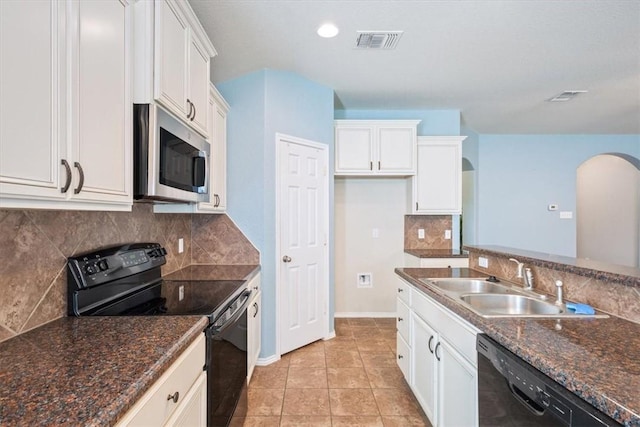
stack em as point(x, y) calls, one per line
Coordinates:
point(476, 286)
point(504, 299)
point(510, 305)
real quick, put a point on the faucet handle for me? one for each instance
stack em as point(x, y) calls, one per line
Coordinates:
point(559, 292)
point(520, 267)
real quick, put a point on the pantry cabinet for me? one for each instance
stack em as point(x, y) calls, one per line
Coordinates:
point(443, 361)
point(375, 147)
point(437, 185)
point(71, 67)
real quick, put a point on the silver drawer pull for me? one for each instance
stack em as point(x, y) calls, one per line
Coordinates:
point(400, 319)
point(400, 290)
point(400, 356)
point(175, 396)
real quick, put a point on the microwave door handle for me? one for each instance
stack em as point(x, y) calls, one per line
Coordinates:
point(200, 179)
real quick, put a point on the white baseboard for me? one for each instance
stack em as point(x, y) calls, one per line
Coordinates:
point(378, 314)
point(264, 361)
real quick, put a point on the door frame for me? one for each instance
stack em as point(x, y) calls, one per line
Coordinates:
point(281, 140)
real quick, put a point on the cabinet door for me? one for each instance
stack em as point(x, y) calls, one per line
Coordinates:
point(192, 412)
point(423, 366)
point(219, 158)
point(172, 46)
point(402, 319)
point(403, 355)
point(457, 390)
point(253, 332)
point(354, 150)
point(198, 86)
point(102, 128)
point(32, 118)
point(438, 183)
point(396, 150)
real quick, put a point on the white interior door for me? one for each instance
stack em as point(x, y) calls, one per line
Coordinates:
point(302, 255)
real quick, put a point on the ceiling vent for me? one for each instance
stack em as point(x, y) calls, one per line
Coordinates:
point(378, 39)
point(567, 95)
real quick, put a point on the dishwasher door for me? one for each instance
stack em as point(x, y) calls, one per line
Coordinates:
point(513, 393)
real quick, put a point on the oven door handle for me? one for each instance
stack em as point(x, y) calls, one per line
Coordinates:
point(246, 294)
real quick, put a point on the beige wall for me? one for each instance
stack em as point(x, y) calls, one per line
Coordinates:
point(607, 220)
point(360, 206)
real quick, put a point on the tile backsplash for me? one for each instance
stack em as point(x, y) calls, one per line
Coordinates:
point(34, 245)
point(434, 227)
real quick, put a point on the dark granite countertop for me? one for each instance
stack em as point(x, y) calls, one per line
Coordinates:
point(87, 371)
point(597, 359)
point(629, 276)
point(214, 272)
point(437, 253)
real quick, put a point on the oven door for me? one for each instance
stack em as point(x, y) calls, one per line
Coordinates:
point(227, 363)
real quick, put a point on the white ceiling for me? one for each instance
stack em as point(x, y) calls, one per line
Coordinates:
point(496, 61)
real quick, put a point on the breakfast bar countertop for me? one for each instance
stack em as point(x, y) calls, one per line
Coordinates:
point(596, 359)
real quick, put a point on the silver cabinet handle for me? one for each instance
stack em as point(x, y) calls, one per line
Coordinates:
point(400, 356)
point(67, 183)
point(286, 258)
point(255, 305)
point(175, 396)
point(400, 319)
point(190, 110)
point(400, 290)
point(81, 183)
point(436, 351)
point(429, 345)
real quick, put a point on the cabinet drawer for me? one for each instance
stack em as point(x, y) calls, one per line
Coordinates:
point(404, 292)
point(402, 319)
point(154, 408)
point(403, 354)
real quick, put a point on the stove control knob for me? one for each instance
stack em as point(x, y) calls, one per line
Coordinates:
point(103, 265)
point(90, 269)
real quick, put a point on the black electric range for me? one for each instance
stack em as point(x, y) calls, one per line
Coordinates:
point(126, 280)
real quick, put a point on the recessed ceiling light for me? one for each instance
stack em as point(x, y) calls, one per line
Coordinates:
point(567, 95)
point(328, 30)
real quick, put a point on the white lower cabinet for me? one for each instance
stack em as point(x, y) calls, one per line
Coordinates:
point(178, 397)
point(443, 363)
point(254, 328)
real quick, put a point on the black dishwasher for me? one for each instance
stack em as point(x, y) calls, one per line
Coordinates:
point(511, 392)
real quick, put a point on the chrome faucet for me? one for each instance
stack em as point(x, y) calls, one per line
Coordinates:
point(527, 276)
point(559, 292)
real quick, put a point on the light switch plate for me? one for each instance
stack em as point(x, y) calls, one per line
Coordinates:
point(566, 215)
point(483, 262)
point(420, 233)
point(447, 234)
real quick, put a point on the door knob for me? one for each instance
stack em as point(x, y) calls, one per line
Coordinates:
point(286, 258)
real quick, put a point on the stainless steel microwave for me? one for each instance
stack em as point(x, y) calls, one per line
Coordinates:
point(171, 162)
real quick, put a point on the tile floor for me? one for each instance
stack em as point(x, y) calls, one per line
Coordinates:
point(351, 380)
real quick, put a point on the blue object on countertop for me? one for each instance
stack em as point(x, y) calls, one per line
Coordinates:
point(578, 308)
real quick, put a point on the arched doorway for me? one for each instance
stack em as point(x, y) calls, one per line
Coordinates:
point(608, 209)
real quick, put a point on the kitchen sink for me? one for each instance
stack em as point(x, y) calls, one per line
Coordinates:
point(469, 286)
point(503, 299)
point(510, 305)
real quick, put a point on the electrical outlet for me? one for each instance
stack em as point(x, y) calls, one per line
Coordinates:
point(420, 233)
point(447, 234)
point(181, 293)
point(566, 215)
point(483, 262)
point(180, 245)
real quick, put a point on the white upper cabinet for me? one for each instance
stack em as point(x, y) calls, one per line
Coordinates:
point(173, 56)
point(375, 147)
point(437, 186)
point(70, 68)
